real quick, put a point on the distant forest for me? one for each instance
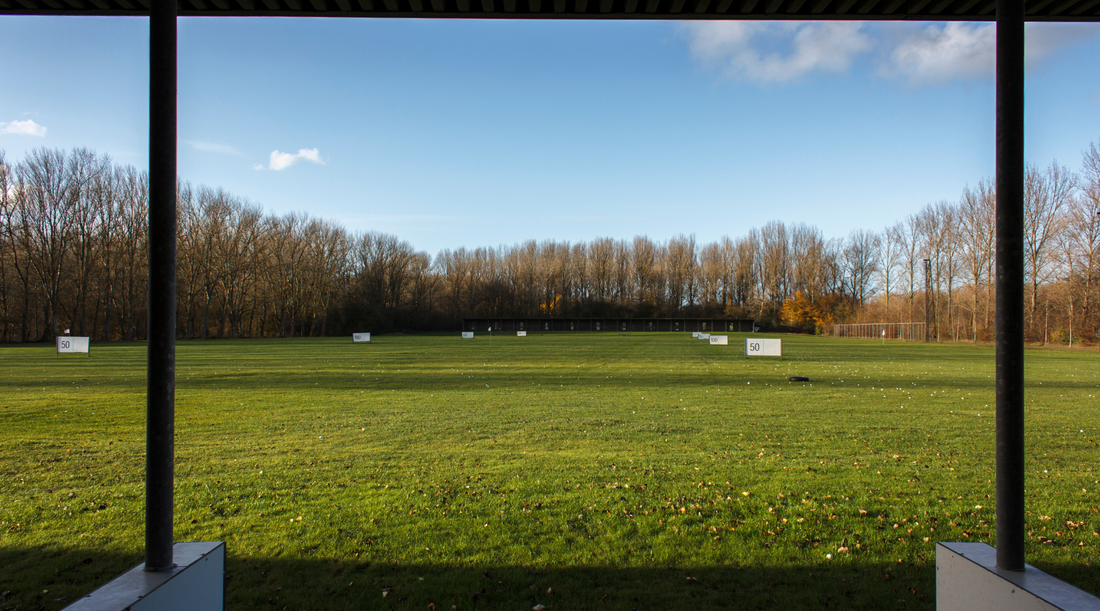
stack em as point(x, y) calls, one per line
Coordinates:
point(73, 255)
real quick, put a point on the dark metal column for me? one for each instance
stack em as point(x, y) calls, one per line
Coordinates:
point(927, 300)
point(1010, 284)
point(161, 397)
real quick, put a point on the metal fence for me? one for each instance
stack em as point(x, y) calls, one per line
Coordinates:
point(904, 331)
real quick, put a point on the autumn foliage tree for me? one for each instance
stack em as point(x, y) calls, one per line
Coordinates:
point(813, 316)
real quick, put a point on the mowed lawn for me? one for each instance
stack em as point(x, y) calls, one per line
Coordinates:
point(575, 471)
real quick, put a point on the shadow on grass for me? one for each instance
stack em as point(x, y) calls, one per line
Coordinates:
point(51, 578)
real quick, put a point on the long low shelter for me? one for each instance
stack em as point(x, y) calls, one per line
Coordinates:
point(621, 325)
point(1010, 16)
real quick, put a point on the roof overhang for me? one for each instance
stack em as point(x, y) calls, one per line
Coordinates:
point(896, 10)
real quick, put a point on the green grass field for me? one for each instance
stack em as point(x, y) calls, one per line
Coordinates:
point(576, 471)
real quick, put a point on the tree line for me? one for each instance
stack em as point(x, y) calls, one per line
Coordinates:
point(73, 255)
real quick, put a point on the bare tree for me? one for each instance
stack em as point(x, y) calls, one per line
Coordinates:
point(745, 292)
point(861, 255)
point(1046, 194)
point(950, 258)
point(15, 254)
point(907, 234)
point(454, 266)
point(644, 263)
point(623, 257)
point(580, 274)
point(807, 261)
point(977, 224)
point(133, 268)
point(891, 256)
point(108, 211)
point(47, 204)
point(681, 272)
point(529, 278)
point(1083, 237)
point(9, 258)
point(424, 287)
point(932, 229)
point(711, 271)
point(602, 268)
point(236, 251)
point(774, 265)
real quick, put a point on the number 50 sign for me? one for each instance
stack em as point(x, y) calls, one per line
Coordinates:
point(72, 344)
point(763, 347)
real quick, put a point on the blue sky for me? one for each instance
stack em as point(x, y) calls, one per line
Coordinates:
point(480, 133)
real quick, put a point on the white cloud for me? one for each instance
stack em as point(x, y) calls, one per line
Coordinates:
point(776, 52)
point(937, 53)
point(1042, 39)
point(280, 161)
point(214, 148)
point(921, 54)
point(23, 128)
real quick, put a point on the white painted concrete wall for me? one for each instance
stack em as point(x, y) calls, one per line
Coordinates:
point(967, 579)
point(197, 583)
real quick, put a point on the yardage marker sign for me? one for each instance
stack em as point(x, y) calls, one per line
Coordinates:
point(467, 335)
point(360, 337)
point(73, 344)
point(763, 347)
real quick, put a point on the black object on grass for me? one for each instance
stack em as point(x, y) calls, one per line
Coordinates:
point(798, 379)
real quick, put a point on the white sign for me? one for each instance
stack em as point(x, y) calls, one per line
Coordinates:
point(704, 336)
point(695, 334)
point(763, 347)
point(72, 344)
point(521, 334)
point(719, 340)
point(360, 337)
point(467, 335)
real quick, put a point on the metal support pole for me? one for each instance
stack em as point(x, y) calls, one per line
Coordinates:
point(927, 299)
point(1010, 284)
point(161, 399)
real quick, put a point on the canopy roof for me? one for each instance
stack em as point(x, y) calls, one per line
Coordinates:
point(925, 10)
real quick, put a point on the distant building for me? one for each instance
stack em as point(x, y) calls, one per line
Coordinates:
point(621, 325)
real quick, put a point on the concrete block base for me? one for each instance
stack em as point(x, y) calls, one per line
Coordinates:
point(967, 578)
point(197, 583)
